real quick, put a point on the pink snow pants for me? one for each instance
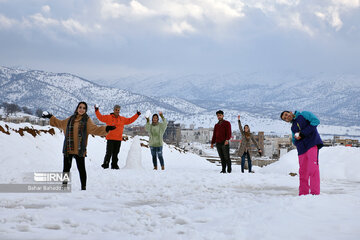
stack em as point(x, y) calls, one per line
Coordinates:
point(309, 170)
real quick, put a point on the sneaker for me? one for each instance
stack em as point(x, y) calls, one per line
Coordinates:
point(162, 168)
point(104, 165)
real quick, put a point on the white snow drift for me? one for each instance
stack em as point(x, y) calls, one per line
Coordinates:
point(189, 200)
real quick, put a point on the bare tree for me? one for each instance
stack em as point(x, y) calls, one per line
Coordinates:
point(11, 108)
point(27, 110)
point(39, 112)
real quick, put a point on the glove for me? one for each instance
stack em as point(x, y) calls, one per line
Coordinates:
point(138, 113)
point(109, 128)
point(46, 114)
point(96, 107)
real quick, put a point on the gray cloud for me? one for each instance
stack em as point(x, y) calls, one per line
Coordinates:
point(109, 38)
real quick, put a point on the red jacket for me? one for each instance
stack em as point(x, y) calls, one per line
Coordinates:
point(222, 132)
point(118, 122)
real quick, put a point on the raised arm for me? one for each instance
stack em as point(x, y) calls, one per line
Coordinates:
point(101, 118)
point(147, 125)
point(164, 123)
point(240, 126)
point(128, 121)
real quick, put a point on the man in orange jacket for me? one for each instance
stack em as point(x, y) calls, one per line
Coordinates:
point(114, 138)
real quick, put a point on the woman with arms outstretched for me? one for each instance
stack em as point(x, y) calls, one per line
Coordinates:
point(76, 129)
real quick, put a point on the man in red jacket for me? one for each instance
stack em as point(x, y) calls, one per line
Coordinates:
point(114, 138)
point(221, 136)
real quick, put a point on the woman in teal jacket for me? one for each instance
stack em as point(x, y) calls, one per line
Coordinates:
point(156, 132)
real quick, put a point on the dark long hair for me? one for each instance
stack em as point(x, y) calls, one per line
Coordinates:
point(155, 115)
point(86, 108)
point(247, 134)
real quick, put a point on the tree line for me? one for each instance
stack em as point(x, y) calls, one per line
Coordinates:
point(11, 108)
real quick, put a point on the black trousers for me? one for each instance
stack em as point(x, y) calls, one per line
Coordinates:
point(112, 151)
point(80, 162)
point(224, 154)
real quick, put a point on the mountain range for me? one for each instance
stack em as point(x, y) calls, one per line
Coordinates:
point(59, 93)
point(334, 99)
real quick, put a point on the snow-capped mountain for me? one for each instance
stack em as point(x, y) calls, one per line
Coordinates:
point(60, 92)
point(335, 102)
point(334, 98)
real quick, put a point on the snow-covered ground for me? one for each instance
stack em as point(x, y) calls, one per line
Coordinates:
point(189, 200)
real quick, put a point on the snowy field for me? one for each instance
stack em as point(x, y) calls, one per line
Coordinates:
point(189, 200)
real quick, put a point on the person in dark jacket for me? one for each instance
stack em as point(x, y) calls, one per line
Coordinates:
point(244, 149)
point(308, 142)
point(221, 137)
point(76, 129)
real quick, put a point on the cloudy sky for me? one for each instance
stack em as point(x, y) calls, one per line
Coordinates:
point(114, 38)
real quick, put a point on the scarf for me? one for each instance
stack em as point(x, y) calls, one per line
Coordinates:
point(69, 136)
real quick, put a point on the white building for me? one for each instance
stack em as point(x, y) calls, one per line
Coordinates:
point(201, 135)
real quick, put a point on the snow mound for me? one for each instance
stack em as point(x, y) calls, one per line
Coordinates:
point(335, 163)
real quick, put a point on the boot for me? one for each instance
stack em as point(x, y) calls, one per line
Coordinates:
point(83, 188)
point(162, 168)
point(115, 167)
point(105, 165)
point(155, 168)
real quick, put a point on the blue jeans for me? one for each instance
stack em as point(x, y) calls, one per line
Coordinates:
point(157, 152)
point(243, 161)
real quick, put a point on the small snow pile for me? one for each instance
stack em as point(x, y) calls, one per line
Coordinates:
point(288, 163)
point(335, 163)
point(340, 163)
point(133, 160)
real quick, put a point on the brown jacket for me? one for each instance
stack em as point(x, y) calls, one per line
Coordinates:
point(91, 129)
point(246, 142)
